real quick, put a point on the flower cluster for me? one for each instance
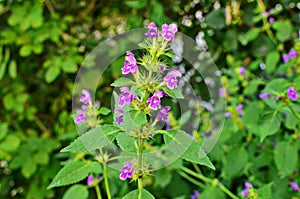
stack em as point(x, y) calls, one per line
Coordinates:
point(126, 171)
point(248, 186)
point(195, 194)
point(168, 31)
point(291, 55)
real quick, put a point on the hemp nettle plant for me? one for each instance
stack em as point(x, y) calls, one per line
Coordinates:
point(141, 138)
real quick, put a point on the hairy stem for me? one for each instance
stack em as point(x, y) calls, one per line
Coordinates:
point(140, 162)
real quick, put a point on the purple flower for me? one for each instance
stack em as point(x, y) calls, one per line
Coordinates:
point(80, 117)
point(168, 31)
point(126, 96)
point(228, 114)
point(119, 118)
point(154, 101)
point(292, 54)
point(245, 192)
point(295, 186)
point(242, 70)
point(86, 97)
point(265, 14)
point(152, 32)
point(126, 171)
point(271, 20)
point(171, 78)
point(292, 94)
point(162, 68)
point(163, 113)
point(195, 194)
point(264, 95)
point(90, 179)
point(130, 64)
point(239, 107)
point(285, 58)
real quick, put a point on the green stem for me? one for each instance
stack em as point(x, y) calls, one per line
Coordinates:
point(205, 179)
point(98, 192)
point(140, 162)
point(294, 112)
point(106, 181)
point(187, 177)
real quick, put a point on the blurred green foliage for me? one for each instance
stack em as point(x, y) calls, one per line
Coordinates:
point(42, 44)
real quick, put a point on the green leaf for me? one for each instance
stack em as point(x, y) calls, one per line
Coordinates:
point(123, 81)
point(216, 19)
point(96, 138)
point(251, 117)
point(12, 69)
point(283, 29)
point(249, 36)
point(10, 143)
point(68, 65)
point(212, 192)
point(104, 111)
point(28, 168)
point(134, 195)
point(74, 172)
point(25, 51)
point(76, 191)
point(3, 130)
point(270, 125)
point(174, 93)
point(196, 155)
point(236, 160)
point(285, 156)
point(137, 5)
point(126, 142)
point(51, 74)
point(265, 192)
point(41, 158)
point(271, 61)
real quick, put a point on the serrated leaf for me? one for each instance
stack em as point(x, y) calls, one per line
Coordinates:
point(74, 172)
point(123, 81)
point(174, 93)
point(285, 156)
point(96, 138)
point(76, 191)
point(270, 125)
point(134, 195)
point(196, 155)
point(271, 61)
point(126, 142)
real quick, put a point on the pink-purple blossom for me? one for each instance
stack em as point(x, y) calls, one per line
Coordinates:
point(154, 101)
point(120, 115)
point(295, 186)
point(152, 32)
point(239, 107)
point(168, 31)
point(163, 113)
point(126, 171)
point(271, 20)
point(285, 58)
point(126, 96)
point(80, 117)
point(90, 179)
point(264, 95)
point(228, 114)
point(292, 93)
point(195, 194)
point(130, 65)
point(86, 97)
point(292, 54)
point(242, 70)
point(245, 192)
point(171, 78)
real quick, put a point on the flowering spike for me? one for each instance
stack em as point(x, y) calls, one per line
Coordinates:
point(171, 78)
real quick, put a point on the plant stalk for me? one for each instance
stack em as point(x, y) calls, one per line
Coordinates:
point(106, 181)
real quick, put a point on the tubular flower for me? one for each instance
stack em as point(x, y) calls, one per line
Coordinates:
point(126, 171)
point(130, 64)
point(168, 31)
point(154, 101)
point(171, 78)
point(126, 96)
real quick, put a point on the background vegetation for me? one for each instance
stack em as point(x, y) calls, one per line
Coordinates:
point(42, 44)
